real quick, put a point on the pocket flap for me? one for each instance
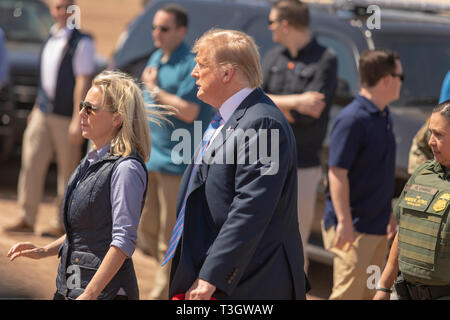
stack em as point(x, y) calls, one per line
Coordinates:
point(85, 259)
point(418, 198)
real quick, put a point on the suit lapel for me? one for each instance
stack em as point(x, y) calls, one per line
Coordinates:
point(200, 176)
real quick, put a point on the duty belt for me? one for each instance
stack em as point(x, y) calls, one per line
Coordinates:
point(422, 292)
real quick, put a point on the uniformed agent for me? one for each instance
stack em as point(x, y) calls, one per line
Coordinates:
point(421, 248)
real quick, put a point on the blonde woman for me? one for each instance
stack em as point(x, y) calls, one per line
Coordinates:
point(104, 197)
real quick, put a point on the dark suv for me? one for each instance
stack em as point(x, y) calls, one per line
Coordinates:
point(26, 24)
point(422, 40)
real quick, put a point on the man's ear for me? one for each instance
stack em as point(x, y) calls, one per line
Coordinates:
point(386, 81)
point(183, 31)
point(228, 74)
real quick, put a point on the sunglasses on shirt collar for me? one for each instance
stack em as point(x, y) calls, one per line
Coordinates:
point(89, 107)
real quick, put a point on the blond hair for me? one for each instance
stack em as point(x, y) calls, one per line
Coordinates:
point(233, 48)
point(123, 95)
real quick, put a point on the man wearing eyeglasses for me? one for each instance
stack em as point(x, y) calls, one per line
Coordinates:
point(167, 81)
point(300, 76)
point(67, 63)
point(358, 219)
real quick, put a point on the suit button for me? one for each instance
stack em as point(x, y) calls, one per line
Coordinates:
point(77, 260)
point(229, 281)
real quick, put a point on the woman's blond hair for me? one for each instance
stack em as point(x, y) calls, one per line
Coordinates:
point(233, 48)
point(123, 95)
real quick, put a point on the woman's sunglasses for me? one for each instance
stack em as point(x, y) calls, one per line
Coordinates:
point(89, 107)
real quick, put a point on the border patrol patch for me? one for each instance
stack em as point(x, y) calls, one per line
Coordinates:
point(440, 204)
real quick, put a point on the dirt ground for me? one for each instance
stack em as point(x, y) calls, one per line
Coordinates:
point(35, 279)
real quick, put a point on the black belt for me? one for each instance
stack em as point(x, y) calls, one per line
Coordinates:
point(422, 292)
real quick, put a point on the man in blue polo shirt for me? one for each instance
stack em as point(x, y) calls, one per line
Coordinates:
point(168, 81)
point(358, 213)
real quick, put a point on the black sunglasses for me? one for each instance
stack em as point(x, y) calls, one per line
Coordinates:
point(89, 107)
point(401, 76)
point(271, 22)
point(163, 29)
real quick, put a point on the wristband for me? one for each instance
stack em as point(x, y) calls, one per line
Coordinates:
point(383, 289)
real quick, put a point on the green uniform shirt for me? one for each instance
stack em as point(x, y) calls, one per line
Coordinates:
point(424, 226)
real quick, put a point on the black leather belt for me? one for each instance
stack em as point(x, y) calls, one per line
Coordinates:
point(422, 292)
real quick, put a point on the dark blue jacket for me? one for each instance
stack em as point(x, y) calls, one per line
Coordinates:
point(87, 216)
point(240, 227)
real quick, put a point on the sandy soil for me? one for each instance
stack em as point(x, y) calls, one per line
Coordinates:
point(35, 279)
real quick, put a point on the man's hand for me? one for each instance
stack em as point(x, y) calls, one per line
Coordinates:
point(200, 290)
point(344, 235)
point(311, 103)
point(150, 77)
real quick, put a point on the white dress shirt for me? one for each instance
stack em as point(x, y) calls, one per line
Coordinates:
point(83, 61)
point(229, 106)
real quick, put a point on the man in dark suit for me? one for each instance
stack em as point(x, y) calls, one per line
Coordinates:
point(237, 235)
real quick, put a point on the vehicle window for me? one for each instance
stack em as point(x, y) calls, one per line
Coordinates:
point(425, 61)
point(347, 69)
point(24, 21)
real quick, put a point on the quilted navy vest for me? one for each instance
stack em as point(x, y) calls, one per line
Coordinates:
point(87, 216)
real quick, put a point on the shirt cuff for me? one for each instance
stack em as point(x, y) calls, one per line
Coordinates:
point(127, 246)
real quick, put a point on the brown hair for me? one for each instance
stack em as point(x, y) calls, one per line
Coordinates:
point(376, 64)
point(295, 12)
point(180, 14)
point(233, 48)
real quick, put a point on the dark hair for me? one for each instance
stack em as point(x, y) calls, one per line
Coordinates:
point(295, 12)
point(444, 109)
point(376, 64)
point(181, 17)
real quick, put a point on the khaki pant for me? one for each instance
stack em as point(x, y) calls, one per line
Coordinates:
point(45, 135)
point(156, 225)
point(308, 180)
point(350, 273)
